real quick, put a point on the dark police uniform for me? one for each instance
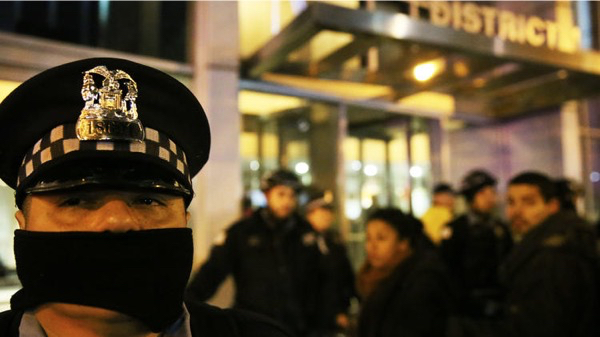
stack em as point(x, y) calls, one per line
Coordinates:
point(339, 288)
point(110, 124)
point(473, 254)
point(275, 266)
point(551, 280)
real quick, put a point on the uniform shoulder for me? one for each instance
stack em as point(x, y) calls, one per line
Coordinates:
point(461, 220)
point(246, 222)
point(9, 323)
point(568, 232)
point(207, 320)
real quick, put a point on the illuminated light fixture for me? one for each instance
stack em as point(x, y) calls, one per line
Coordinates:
point(254, 165)
point(425, 71)
point(356, 165)
point(594, 177)
point(370, 170)
point(478, 82)
point(416, 171)
point(460, 69)
point(562, 74)
point(301, 167)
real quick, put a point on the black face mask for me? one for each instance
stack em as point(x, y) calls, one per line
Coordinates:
point(142, 274)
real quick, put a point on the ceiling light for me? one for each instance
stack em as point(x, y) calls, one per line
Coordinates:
point(425, 71)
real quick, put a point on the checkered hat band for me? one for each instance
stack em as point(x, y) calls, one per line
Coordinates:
point(63, 139)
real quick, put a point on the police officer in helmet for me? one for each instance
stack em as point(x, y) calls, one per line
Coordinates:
point(475, 245)
point(101, 153)
point(273, 258)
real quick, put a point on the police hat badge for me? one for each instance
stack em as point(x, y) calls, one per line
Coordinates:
point(107, 114)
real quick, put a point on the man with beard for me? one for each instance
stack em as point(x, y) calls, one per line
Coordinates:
point(273, 258)
point(551, 275)
point(103, 249)
point(475, 245)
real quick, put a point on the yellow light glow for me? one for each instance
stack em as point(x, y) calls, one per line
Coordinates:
point(351, 148)
point(373, 151)
point(328, 41)
point(249, 145)
point(442, 104)
point(347, 90)
point(6, 87)
point(398, 150)
point(425, 71)
point(420, 148)
point(258, 103)
point(297, 149)
point(270, 146)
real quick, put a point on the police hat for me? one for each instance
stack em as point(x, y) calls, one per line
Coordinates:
point(474, 181)
point(280, 177)
point(102, 121)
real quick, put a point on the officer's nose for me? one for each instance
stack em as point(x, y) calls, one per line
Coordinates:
point(115, 215)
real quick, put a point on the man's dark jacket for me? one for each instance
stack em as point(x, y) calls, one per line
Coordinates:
point(275, 266)
point(551, 281)
point(205, 320)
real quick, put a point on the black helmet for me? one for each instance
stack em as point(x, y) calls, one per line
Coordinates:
point(443, 188)
point(567, 191)
point(317, 198)
point(475, 181)
point(280, 177)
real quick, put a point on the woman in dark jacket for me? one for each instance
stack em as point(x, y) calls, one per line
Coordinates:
point(403, 285)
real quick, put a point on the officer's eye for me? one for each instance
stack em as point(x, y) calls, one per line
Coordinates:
point(148, 201)
point(73, 201)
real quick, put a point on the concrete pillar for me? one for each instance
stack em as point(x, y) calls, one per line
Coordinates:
point(214, 57)
point(323, 146)
point(571, 140)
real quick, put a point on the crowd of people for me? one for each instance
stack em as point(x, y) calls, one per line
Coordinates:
point(444, 275)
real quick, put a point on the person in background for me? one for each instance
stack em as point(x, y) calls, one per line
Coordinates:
point(273, 257)
point(440, 214)
point(246, 206)
point(551, 275)
point(336, 299)
point(101, 153)
point(567, 193)
point(403, 284)
point(477, 243)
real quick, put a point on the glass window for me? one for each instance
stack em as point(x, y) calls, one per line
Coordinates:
point(153, 28)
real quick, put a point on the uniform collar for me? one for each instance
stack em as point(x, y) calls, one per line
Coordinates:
point(30, 327)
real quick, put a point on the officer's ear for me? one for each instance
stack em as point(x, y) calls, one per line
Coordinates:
point(20, 218)
point(553, 205)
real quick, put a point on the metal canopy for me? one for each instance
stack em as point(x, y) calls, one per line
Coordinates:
point(499, 78)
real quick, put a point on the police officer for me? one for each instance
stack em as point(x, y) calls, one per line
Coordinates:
point(475, 245)
point(339, 288)
point(273, 258)
point(101, 153)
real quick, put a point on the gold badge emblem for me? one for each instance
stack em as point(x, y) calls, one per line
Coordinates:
point(108, 114)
